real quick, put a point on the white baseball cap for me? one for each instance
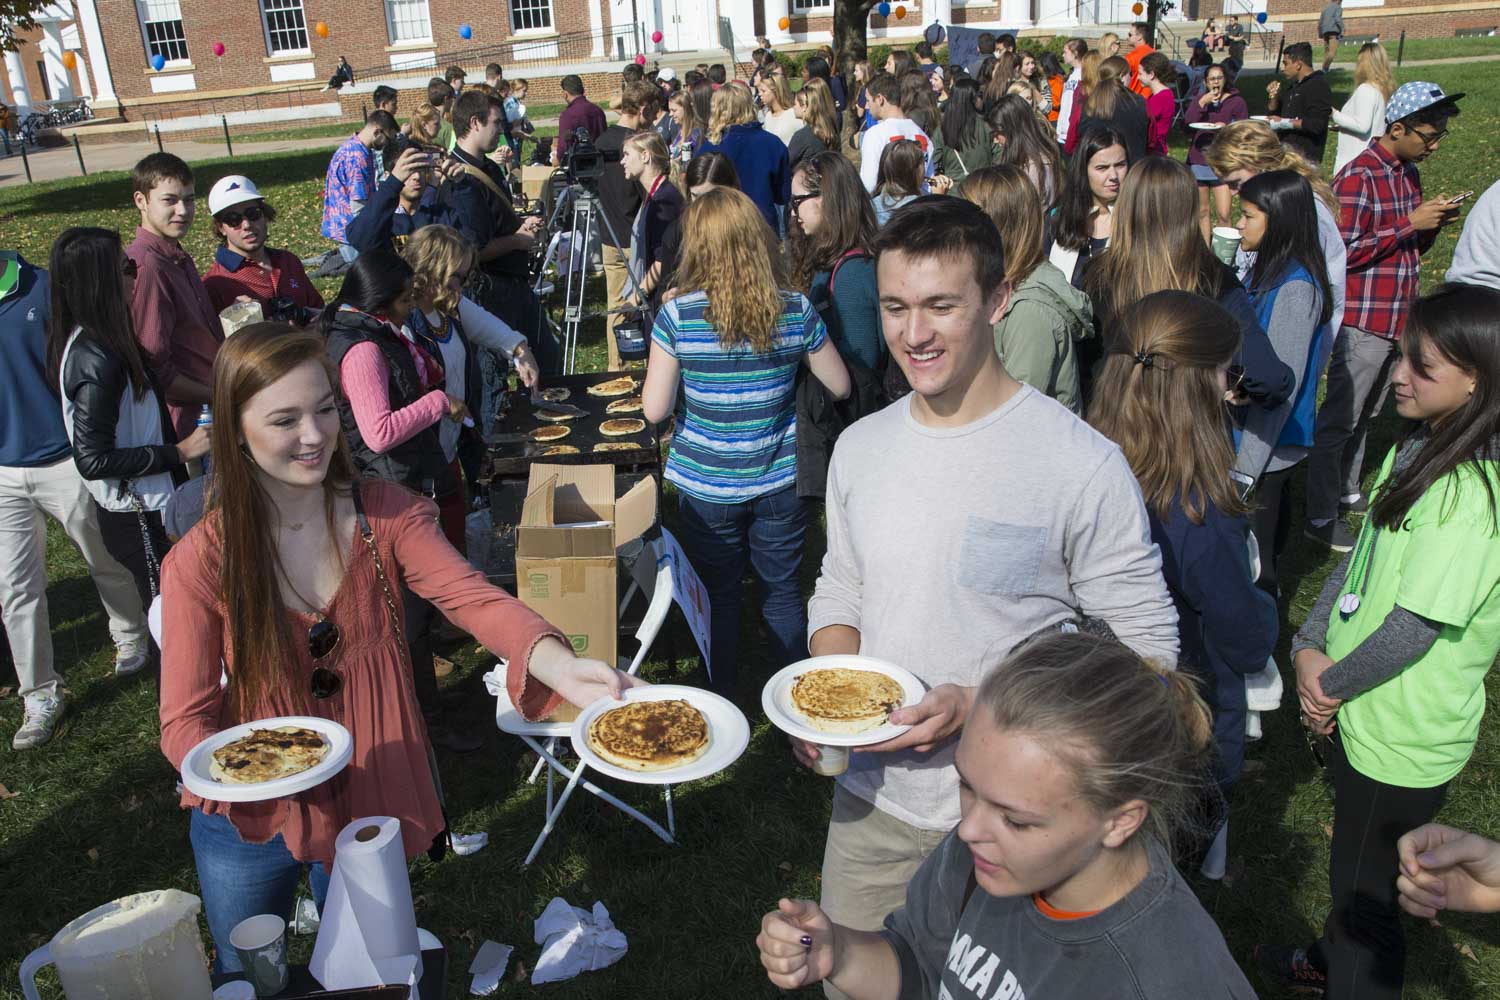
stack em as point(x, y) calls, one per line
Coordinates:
point(236, 189)
point(666, 73)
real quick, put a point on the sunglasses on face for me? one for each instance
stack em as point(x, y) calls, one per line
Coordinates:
point(233, 217)
point(322, 639)
point(795, 201)
point(128, 268)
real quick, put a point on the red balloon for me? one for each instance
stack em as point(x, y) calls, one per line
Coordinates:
point(218, 48)
point(640, 60)
point(656, 36)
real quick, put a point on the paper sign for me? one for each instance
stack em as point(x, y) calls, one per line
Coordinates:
point(690, 594)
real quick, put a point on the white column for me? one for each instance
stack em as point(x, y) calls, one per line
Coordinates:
point(775, 11)
point(93, 38)
point(58, 80)
point(940, 11)
point(20, 94)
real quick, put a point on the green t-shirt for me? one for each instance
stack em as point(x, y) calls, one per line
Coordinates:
point(445, 137)
point(1417, 729)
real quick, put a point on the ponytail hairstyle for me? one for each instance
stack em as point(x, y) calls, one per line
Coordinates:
point(1159, 398)
point(1126, 728)
point(88, 294)
point(1291, 239)
point(649, 142)
point(1462, 324)
point(709, 168)
point(250, 570)
point(902, 170)
point(1114, 74)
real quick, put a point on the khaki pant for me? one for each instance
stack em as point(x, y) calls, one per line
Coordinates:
point(869, 858)
point(616, 274)
point(27, 497)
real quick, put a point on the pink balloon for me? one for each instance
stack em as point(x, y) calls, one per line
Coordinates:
point(640, 60)
point(656, 36)
point(218, 48)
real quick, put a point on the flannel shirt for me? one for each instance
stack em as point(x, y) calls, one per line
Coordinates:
point(1377, 194)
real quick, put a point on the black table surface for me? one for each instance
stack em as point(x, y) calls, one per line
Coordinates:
point(300, 983)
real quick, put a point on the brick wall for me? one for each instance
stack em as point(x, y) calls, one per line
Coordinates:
point(1418, 18)
point(356, 30)
point(31, 54)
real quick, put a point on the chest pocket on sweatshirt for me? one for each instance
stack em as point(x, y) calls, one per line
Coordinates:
point(1000, 559)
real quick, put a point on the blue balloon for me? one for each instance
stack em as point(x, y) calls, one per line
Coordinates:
point(157, 62)
point(885, 10)
point(1261, 17)
point(465, 31)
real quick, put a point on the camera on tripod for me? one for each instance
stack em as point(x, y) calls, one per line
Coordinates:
point(584, 163)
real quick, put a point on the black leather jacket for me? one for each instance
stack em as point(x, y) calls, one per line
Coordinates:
point(96, 379)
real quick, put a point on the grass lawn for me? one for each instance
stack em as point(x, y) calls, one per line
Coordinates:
point(1419, 48)
point(343, 128)
point(93, 816)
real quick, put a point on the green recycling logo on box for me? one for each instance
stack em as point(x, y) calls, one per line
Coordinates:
point(580, 642)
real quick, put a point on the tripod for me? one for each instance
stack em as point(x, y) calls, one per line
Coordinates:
point(580, 236)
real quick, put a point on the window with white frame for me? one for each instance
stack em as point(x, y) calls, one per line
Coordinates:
point(286, 27)
point(161, 27)
point(818, 6)
point(408, 21)
point(530, 15)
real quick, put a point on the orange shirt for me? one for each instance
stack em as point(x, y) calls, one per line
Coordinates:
point(389, 774)
point(1134, 57)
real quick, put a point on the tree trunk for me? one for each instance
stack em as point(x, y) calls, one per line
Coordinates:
point(850, 19)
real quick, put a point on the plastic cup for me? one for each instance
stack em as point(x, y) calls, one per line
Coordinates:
point(261, 944)
point(238, 315)
point(1226, 241)
point(832, 761)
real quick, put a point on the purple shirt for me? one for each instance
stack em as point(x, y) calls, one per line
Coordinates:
point(351, 178)
point(581, 113)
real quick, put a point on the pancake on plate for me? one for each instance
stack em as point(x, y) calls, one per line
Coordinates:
point(622, 386)
point(557, 395)
point(621, 426)
point(550, 433)
point(557, 449)
point(631, 405)
point(650, 735)
point(841, 700)
point(268, 754)
point(617, 446)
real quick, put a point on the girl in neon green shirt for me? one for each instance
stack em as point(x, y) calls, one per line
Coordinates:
point(1391, 661)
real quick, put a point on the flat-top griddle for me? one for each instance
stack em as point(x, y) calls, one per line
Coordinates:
point(512, 451)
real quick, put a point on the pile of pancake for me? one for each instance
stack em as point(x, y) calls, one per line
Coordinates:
point(845, 701)
point(650, 735)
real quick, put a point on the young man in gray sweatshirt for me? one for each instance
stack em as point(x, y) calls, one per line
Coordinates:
point(962, 519)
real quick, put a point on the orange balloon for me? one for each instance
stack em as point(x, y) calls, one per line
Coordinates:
point(322, 29)
point(900, 13)
point(1136, 10)
point(69, 60)
point(784, 23)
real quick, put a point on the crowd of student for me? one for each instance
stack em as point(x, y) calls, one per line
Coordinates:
point(976, 323)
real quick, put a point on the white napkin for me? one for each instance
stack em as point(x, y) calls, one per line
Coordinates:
point(469, 843)
point(573, 941)
point(494, 681)
point(1263, 690)
point(488, 967)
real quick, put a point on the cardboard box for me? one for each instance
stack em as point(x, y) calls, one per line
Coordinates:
point(533, 178)
point(566, 550)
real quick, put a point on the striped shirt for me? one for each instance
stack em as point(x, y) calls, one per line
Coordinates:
point(737, 438)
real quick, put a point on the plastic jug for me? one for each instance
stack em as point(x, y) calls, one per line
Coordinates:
point(140, 947)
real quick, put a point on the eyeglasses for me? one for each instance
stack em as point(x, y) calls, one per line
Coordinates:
point(1429, 139)
point(129, 268)
point(232, 217)
point(795, 201)
point(322, 639)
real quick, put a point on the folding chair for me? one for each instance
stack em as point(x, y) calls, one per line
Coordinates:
point(509, 720)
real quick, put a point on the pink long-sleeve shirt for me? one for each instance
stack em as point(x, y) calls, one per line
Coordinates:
point(1161, 108)
point(365, 379)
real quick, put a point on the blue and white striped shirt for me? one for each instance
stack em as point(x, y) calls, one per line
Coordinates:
point(737, 438)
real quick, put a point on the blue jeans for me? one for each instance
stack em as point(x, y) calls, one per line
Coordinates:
point(348, 251)
point(719, 538)
point(240, 880)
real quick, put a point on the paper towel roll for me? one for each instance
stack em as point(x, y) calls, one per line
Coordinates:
point(368, 935)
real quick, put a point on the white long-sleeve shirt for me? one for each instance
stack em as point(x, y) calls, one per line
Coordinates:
point(880, 135)
point(1065, 107)
point(948, 546)
point(1361, 119)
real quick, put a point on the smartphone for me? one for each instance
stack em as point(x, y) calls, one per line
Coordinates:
point(1459, 198)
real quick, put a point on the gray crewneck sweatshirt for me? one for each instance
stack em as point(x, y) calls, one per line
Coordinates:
point(948, 546)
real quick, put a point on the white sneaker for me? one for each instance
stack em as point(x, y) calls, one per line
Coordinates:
point(131, 657)
point(42, 713)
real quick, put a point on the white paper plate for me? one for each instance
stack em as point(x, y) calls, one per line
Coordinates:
point(776, 699)
point(728, 734)
point(1206, 126)
point(1279, 124)
point(195, 766)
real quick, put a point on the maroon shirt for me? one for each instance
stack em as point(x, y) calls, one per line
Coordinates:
point(175, 321)
point(581, 113)
point(233, 276)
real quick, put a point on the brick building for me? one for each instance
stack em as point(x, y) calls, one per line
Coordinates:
point(1384, 19)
